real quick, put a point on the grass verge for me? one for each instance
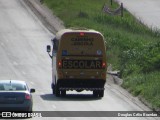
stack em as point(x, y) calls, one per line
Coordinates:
point(131, 46)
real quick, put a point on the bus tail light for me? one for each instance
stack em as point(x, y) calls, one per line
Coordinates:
point(103, 75)
point(60, 64)
point(103, 65)
point(81, 33)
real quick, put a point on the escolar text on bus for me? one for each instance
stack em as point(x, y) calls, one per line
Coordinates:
point(82, 64)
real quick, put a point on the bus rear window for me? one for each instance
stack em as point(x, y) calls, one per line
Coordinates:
point(88, 44)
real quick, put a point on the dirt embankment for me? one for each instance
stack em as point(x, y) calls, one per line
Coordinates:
point(52, 22)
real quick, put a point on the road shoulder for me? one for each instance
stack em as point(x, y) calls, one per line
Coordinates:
point(52, 22)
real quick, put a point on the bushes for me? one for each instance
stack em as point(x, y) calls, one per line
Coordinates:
point(141, 59)
point(151, 57)
point(146, 85)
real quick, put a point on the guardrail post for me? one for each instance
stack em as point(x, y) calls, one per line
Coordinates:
point(111, 2)
point(41, 1)
point(121, 9)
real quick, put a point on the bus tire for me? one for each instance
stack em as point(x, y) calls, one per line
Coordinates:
point(101, 93)
point(95, 93)
point(57, 92)
point(63, 93)
point(54, 91)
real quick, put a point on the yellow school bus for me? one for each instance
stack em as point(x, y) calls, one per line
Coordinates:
point(78, 61)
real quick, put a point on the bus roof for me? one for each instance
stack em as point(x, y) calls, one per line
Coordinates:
point(70, 30)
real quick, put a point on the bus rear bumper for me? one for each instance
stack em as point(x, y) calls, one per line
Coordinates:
point(81, 84)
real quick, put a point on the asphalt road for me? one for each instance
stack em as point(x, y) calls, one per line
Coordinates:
point(23, 56)
point(146, 11)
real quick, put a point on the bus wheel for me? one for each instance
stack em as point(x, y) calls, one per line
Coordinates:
point(101, 93)
point(57, 92)
point(95, 93)
point(53, 89)
point(63, 93)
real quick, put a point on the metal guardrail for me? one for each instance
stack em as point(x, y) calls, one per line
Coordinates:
point(118, 11)
point(115, 73)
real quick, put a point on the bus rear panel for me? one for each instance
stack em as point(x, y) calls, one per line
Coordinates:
point(81, 62)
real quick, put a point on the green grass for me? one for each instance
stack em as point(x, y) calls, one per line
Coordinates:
point(131, 47)
point(147, 85)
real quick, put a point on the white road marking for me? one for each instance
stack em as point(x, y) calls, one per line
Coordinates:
point(54, 107)
point(32, 83)
point(15, 63)
point(2, 44)
point(24, 73)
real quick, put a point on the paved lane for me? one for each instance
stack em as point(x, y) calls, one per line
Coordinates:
point(23, 56)
point(145, 10)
